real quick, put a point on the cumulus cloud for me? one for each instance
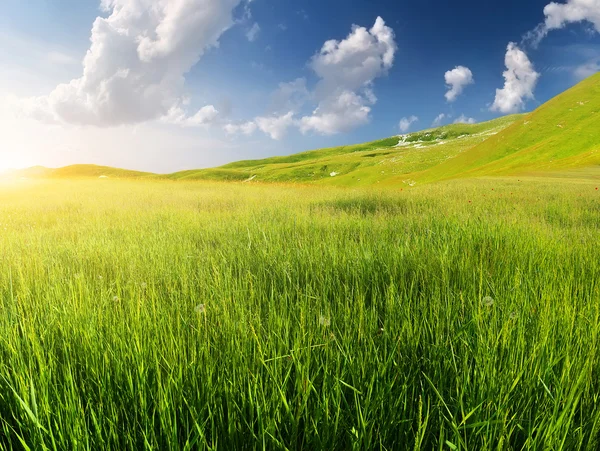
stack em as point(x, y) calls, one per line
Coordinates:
point(437, 122)
point(289, 96)
point(520, 81)
point(406, 123)
point(456, 80)
point(275, 126)
point(559, 15)
point(462, 119)
point(337, 113)
point(346, 70)
point(253, 32)
point(246, 128)
point(134, 69)
point(205, 116)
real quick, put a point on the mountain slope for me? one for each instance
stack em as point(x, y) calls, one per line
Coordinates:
point(562, 134)
point(362, 164)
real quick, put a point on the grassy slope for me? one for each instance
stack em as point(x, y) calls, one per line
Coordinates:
point(80, 171)
point(561, 135)
point(362, 164)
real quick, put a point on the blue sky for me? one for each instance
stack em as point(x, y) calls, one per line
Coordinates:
point(231, 104)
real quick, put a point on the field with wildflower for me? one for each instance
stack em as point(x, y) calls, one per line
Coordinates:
point(174, 315)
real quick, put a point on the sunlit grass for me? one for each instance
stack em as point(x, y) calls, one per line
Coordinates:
point(171, 315)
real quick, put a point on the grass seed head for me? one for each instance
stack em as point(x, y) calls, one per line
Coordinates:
point(324, 321)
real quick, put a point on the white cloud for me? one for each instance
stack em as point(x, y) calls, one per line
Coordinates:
point(340, 113)
point(520, 81)
point(344, 95)
point(587, 70)
point(253, 32)
point(205, 116)
point(286, 101)
point(275, 126)
point(462, 119)
point(456, 80)
point(559, 15)
point(134, 69)
point(437, 122)
point(347, 69)
point(246, 128)
point(406, 122)
point(290, 96)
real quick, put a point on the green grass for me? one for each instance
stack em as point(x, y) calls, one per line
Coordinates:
point(332, 319)
point(561, 135)
point(383, 161)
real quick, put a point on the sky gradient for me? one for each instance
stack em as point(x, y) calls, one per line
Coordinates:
point(169, 85)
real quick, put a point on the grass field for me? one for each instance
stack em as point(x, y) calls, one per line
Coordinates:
point(176, 315)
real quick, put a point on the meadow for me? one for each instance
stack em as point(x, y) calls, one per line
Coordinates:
point(155, 314)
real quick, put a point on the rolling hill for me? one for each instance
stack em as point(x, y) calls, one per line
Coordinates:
point(561, 135)
point(78, 171)
point(361, 164)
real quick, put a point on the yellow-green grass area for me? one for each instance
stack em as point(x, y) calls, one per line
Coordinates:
point(386, 161)
point(561, 135)
point(77, 171)
point(161, 315)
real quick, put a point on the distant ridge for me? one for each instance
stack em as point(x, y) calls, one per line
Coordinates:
point(79, 171)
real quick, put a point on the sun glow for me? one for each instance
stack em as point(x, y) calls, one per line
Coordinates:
point(9, 159)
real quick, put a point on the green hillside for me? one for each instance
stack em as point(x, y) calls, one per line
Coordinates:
point(362, 164)
point(560, 135)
